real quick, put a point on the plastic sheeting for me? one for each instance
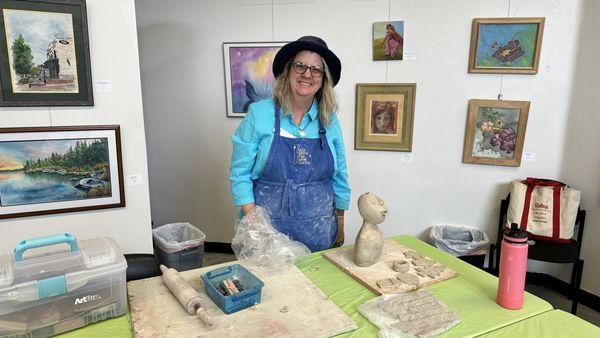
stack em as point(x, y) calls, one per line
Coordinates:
point(459, 240)
point(408, 315)
point(174, 237)
point(256, 240)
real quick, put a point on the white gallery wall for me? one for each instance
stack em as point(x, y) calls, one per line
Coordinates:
point(189, 134)
point(114, 58)
point(581, 155)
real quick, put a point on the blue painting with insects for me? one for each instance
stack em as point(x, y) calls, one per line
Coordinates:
point(506, 45)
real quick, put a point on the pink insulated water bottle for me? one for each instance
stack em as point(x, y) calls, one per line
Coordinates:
point(513, 265)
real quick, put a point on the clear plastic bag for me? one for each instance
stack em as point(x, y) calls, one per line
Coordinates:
point(174, 237)
point(409, 315)
point(459, 240)
point(256, 240)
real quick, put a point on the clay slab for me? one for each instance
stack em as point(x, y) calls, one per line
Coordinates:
point(368, 276)
point(291, 306)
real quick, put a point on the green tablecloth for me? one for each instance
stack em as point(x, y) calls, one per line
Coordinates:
point(114, 328)
point(555, 323)
point(472, 294)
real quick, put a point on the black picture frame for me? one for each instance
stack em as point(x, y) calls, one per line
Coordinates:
point(55, 81)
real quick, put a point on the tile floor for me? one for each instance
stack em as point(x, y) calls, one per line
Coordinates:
point(213, 258)
point(563, 303)
point(557, 300)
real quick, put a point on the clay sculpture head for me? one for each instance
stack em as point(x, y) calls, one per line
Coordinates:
point(369, 241)
point(372, 208)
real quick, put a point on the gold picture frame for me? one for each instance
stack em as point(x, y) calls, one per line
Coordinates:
point(506, 45)
point(384, 116)
point(495, 132)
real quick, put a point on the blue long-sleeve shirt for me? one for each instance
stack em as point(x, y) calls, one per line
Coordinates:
point(252, 142)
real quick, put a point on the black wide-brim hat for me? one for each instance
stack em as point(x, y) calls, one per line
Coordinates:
point(311, 43)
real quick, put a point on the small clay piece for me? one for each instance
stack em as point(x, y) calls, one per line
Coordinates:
point(385, 283)
point(423, 262)
point(394, 285)
point(369, 241)
point(408, 278)
point(439, 268)
point(430, 271)
point(284, 309)
point(400, 265)
point(413, 255)
point(313, 268)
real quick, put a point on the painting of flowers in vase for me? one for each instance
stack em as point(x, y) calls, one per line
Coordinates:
point(495, 132)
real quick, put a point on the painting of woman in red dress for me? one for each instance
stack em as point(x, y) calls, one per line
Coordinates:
point(388, 41)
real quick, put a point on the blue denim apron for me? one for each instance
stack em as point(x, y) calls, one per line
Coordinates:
point(295, 187)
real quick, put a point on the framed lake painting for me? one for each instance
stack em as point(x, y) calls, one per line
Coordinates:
point(248, 73)
point(384, 116)
point(506, 45)
point(49, 170)
point(44, 54)
point(388, 40)
point(495, 132)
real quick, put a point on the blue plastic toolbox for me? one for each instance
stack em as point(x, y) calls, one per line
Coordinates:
point(229, 304)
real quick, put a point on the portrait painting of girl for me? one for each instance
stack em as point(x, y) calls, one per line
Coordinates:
point(384, 116)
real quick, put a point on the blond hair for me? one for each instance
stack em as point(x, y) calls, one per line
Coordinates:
point(327, 104)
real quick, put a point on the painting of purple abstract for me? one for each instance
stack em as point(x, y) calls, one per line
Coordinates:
point(248, 74)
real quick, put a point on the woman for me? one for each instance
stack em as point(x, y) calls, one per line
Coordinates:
point(288, 153)
point(383, 118)
point(393, 41)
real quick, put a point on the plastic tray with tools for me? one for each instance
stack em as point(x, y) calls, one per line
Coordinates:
point(249, 284)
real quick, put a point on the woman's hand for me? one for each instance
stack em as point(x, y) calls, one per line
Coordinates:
point(247, 207)
point(339, 240)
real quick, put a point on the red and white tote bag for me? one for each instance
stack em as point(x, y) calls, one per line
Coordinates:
point(547, 209)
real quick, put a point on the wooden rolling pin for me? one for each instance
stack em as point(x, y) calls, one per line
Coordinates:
point(185, 294)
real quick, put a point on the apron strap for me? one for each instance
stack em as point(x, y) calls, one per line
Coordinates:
point(322, 133)
point(277, 131)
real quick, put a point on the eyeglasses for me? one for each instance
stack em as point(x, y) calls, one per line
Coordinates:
point(300, 68)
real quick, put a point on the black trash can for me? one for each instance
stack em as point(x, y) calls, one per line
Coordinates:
point(467, 243)
point(179, 246)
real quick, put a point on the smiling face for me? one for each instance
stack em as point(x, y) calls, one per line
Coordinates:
point(372, 208)
point(305, 85)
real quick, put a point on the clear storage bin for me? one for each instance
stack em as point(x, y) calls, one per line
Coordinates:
point(47, 294)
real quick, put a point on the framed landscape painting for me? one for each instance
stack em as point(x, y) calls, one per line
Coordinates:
point(49, 170)
point(495, 132)
point(44, 54)
point(384, 116)
point(248, 73)
point(506, 45)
